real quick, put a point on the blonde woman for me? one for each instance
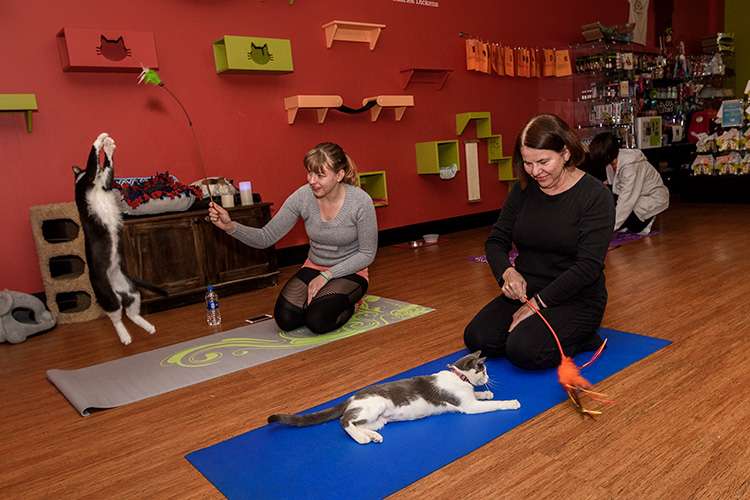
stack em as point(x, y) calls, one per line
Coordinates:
point(343, 231)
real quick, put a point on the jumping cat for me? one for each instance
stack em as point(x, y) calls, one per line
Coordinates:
point(448, 391)
point(101, 221)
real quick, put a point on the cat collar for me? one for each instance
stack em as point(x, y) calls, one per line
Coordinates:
point(460, 375)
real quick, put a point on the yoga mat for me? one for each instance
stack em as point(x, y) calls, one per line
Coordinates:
point(618, 239)
point(125, 380)
point(279, 462)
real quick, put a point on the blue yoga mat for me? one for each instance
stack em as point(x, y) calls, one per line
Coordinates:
point(279, 462)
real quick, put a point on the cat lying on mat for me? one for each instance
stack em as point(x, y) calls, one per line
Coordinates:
point(448, 391)
point(101, 221)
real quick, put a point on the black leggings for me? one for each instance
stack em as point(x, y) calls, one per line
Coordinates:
point(330, 309)
point(531, 345)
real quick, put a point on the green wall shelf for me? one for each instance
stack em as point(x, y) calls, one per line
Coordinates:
point(19, 103)
point(373, 183)
point(484, 125)
point(433, 155)
point(253, 55)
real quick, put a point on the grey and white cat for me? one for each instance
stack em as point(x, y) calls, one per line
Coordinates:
point(101, 221)
point(448, 391)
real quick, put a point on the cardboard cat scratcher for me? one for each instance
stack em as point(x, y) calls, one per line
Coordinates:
point(71, 246)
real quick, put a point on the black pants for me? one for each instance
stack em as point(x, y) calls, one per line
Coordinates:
point(531, 345)
point(633, 223)
point(330, 309)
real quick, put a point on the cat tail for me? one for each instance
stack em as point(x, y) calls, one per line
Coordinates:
point(149, 286)
point(310, 418)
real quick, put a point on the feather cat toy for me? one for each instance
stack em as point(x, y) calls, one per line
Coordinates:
point(149, 76)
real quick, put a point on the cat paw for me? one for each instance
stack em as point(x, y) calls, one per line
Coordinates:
point(108, 146)
point(484, 395)
point(100, 140)
point(512, 404)
point(125, 339)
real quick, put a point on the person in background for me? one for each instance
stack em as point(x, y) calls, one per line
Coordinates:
point(342, 227)
point(560, 220)
point(639, 191)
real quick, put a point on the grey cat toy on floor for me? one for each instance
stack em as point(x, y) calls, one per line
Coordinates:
point(101, 221)
point(448, 391)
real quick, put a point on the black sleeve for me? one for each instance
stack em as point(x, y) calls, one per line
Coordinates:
point(594, 234)
point(500, 241)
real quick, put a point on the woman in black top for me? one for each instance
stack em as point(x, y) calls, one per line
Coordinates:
point(560, 220)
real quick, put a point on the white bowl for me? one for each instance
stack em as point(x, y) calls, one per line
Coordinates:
point(430, 238)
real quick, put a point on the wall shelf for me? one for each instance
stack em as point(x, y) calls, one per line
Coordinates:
point(433, 155)
point(352, 32)
point(424, 75)
point(106, 50)
point(484, 125)
point(398, 103)
point(320, 103)
point(19, 103)
point(245, 54)
point(373, 183)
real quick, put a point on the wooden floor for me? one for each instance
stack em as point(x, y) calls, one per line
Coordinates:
point(679, 428)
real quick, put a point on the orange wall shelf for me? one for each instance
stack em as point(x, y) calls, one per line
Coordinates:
point(399, 103)
point(320, 103)
point(106, 50)
point(350, 31)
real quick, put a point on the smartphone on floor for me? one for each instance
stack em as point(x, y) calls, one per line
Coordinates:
point(258, 319)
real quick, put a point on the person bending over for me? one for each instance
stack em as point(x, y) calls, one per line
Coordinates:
point(560, 220)
point(341, 225)
point(638, 188)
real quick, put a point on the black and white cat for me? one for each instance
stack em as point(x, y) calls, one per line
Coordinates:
point(101, 221)
point(448, 391)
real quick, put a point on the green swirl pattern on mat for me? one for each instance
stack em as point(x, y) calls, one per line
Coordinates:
point(374, 312)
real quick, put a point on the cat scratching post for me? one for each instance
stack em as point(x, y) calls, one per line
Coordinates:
point(59, 240)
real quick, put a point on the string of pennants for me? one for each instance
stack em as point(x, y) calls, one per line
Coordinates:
point(525, 62)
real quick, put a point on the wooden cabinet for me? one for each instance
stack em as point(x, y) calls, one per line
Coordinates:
point(183, 253)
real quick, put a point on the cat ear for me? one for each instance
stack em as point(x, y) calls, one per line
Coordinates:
point(76, 170)
point(476, 354)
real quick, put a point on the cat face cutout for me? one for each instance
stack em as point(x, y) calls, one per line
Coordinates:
point(259, 55)
point(114, 50)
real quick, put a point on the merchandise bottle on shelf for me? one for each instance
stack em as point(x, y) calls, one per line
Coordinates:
point(213, 316)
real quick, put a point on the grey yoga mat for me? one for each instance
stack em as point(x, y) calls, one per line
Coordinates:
point(125, 380)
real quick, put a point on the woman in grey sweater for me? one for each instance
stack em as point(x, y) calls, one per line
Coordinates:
point(341, 224)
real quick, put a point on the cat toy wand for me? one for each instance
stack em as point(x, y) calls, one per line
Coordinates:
point(150, 76)
point(569, 376)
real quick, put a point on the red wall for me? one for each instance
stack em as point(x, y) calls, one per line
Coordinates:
point(240, 120)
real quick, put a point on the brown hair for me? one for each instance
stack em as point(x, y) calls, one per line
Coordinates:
point(331, 156)
point(546, 131)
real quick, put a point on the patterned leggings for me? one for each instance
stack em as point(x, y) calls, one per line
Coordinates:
point(330, 309)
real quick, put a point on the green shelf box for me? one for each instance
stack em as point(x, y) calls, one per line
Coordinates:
point(433, 155)
point(484, 124)
point(246, 54)
point(373, 183)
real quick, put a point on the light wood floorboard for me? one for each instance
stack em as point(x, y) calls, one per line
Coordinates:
point(678, 429)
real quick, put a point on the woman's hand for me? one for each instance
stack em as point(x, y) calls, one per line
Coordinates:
point(514, 286)
point(523, 312)
point(314, 287)
point(220, 217)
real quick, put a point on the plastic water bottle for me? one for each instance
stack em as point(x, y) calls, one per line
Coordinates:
point(213, 316)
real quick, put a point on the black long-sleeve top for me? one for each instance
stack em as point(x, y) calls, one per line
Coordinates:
point(561, 239)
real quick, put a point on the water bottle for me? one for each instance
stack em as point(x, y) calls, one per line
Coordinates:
point(213, 316)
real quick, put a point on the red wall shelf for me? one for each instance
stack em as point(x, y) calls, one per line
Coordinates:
point(106, 50)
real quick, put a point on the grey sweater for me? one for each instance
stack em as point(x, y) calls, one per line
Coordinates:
point(346, 244)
